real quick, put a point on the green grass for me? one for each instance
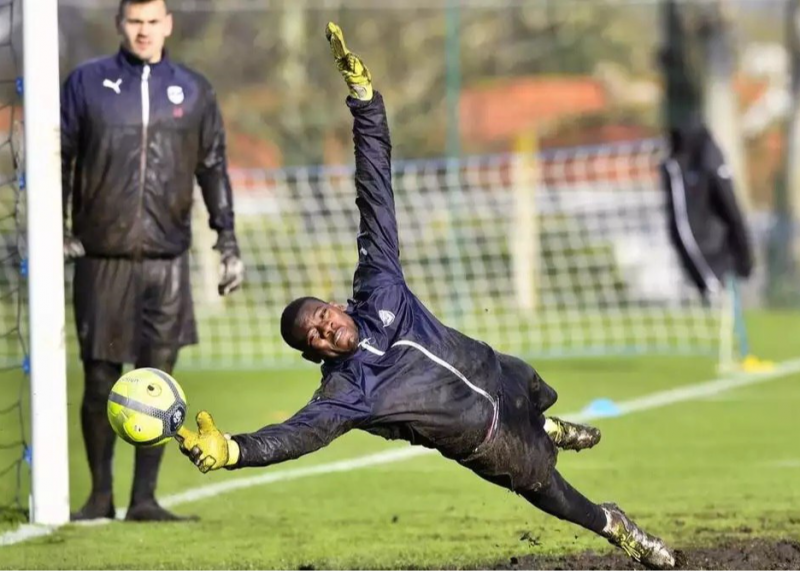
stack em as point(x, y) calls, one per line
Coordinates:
point(691, 472)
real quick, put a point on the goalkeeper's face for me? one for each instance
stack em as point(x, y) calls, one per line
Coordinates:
point(326, 330)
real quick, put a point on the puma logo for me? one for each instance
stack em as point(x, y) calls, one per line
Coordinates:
point(113, 85)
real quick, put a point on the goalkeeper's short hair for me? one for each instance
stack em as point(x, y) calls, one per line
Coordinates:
point(289, 321)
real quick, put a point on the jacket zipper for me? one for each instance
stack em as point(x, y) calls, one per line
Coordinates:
point(143, 155)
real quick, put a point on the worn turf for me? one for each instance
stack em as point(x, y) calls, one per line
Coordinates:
point(723, 554)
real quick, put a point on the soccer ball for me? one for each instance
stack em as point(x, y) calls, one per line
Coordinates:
point(146, 407)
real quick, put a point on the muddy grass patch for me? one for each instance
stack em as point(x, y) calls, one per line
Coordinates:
point(726, 554)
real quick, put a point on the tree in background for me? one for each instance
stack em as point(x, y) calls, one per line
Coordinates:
point(273, 88)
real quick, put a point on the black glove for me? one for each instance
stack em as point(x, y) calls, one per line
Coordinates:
point(231, 267)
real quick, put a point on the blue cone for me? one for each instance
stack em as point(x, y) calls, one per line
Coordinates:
point(602, 408)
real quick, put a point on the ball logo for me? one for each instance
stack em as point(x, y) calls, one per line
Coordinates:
point(175, 94)
point(176, 420)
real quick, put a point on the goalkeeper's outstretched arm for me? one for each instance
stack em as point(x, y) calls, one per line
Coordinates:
point(337, 407)
point(378, 245)
point(313, 427)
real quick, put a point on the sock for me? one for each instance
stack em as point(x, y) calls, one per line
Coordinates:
point(560, 499)
point(148, 460)
point(98, 436)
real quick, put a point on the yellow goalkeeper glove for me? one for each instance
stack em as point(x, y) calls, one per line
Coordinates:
point(353, 70)
point(208, 448)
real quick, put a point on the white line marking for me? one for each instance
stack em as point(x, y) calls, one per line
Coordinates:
point(25, 532)
point(708, 388)
point(785, 463)
point(385, 457)
point(648, 402)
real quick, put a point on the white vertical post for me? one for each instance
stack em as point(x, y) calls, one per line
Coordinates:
point(525, 247)
point(726, 317)
point(720, 101)
point(50, 468)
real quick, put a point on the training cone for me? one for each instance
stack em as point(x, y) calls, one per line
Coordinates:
point(603, 407)
point(752, 364)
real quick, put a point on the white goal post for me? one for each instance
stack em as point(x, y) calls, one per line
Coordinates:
point(45, 263)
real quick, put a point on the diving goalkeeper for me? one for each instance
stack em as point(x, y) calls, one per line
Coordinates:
point(392, 369)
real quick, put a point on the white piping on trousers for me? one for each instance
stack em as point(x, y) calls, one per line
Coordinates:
point(685, 230)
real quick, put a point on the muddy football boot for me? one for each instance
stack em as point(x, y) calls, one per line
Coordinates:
point(570, 435)
point(640, 546)
point(98, 506)
point(151, 511)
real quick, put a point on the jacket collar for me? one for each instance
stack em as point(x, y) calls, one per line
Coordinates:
point(131, 63)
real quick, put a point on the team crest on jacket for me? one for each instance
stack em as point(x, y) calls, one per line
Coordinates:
point(175, 94)
point(387, 317)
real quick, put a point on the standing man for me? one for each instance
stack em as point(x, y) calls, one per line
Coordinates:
point(137, 129)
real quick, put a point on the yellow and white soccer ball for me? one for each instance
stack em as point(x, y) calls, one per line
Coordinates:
point(146, 407)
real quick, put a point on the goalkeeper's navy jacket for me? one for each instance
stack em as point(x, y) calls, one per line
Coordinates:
point(412, 378)
point(134, 138)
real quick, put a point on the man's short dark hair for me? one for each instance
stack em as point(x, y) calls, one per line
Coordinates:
point(289, 320)
point(123, 3)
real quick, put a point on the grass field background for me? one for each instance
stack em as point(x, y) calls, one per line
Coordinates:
point(692, 472)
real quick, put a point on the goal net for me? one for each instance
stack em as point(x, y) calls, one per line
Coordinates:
point(556, 254)
point(14, 363)
point(34, 475)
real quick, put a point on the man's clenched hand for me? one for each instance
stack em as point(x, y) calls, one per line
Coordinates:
point(355, 73)
point(72, 247)
point(208, 448)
